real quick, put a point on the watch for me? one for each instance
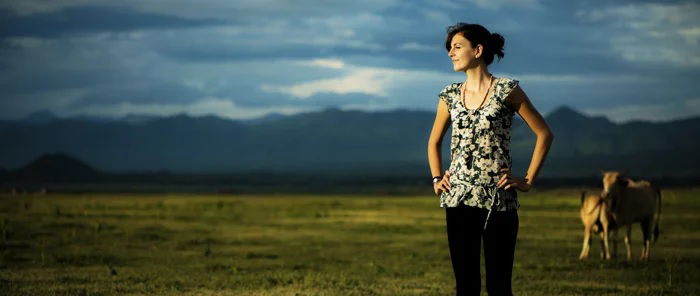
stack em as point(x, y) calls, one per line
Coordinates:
point(437, 179)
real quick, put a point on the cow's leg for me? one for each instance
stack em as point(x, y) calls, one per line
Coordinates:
point(646, 238)
point(602, 244)
point(586, 243)
point(614, 243)
point(606, 247)
point(628, 240)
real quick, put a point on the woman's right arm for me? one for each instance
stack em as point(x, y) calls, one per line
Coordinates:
point(442, 120)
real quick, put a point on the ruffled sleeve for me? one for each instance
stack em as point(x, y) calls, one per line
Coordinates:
point(444, 95)
point(503, 89)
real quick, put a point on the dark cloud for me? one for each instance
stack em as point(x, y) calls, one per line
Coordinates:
point(144, 92)
point(188, 52)
point(152, 53)
point(90, 19)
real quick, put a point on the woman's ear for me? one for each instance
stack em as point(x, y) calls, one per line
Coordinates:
point(478, 51)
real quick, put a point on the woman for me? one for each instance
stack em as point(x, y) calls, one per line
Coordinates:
point(478, 191)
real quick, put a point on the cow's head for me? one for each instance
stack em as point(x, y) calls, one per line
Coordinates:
point(613, 182)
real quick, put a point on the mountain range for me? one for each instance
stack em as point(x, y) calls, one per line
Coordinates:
point(337, 142)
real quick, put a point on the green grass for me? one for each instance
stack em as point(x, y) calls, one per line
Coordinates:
point(314, 245)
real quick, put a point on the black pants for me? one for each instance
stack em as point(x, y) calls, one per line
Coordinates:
point(465, 230)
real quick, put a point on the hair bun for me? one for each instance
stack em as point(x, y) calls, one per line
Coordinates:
point(496, 43)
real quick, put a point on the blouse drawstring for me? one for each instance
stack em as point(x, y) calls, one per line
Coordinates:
point(495, 201)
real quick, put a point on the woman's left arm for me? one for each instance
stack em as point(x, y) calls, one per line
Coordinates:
point(522, 105)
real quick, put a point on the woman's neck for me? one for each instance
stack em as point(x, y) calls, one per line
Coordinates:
point(478, 79)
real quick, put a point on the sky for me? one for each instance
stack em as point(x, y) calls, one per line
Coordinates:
point(241, 59)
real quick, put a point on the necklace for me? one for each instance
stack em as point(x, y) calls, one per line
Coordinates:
point(463, 95)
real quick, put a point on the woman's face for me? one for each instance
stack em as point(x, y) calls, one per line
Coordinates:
point(462, 54)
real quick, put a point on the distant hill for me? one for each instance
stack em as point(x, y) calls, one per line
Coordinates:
point(266, 118)
point(585, 144)
point(54, 167)
point(340, 142)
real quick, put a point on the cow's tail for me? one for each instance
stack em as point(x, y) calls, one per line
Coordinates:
point(658, 211)
point(583, 196)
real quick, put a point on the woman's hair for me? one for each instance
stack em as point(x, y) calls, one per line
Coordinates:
point(477, 34)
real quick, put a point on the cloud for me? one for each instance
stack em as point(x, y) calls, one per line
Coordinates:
point(651, 33)
point(363, 80)
point(220, 9)
point(363, 54)
point(435, 16)
point(86, 19)
point(24, 42)
point(221, 107)
point(325, 63)
point(414, 46)
point(491, 4)
point(31, 65)
point(282, 37)
point(375, 81)
point(27, 7)
point(16, 106)
point(143, 92)
point(576, 78)
point(495, 4)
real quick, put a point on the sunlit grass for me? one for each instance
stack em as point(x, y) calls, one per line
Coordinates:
point(313, 245)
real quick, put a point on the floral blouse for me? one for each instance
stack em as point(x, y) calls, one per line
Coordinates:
point(480, 147)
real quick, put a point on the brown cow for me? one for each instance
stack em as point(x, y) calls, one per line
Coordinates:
point(596, 217)
point(632, 202)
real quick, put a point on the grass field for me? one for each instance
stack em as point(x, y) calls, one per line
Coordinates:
point(172, 244)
